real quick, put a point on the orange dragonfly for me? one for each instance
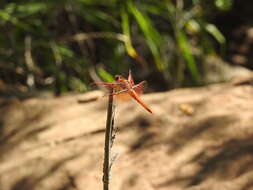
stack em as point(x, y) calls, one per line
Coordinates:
point(126, 86)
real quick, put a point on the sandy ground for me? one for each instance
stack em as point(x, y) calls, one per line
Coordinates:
point(197, 139)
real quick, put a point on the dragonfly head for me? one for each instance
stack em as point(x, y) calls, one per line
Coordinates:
point(118, 77)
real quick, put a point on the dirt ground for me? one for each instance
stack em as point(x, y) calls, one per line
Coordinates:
point(197, 139)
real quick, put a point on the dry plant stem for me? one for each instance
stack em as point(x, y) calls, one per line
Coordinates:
point(108, 142)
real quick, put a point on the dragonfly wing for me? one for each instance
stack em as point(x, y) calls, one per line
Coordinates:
point(122, 95)
point(112, 84)
point(138, 88)
point(116, 86)
point(130, 78)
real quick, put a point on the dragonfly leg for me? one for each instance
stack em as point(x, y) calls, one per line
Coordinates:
point(119, 92)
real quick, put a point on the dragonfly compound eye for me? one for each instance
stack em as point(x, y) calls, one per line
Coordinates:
point(117, 77)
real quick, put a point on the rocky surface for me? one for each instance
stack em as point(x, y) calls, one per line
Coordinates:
point(197, 139)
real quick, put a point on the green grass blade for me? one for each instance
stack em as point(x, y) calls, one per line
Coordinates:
point(186, 51)
point(152, 36)
point(126, 30)
point(214, 31)
point(107, 77)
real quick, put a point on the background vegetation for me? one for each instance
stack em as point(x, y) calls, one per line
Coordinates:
point(63, 45)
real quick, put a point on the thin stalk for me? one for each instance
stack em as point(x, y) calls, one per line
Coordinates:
point(108, 142)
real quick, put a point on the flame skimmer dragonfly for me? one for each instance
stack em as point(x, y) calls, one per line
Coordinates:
point(126, 86)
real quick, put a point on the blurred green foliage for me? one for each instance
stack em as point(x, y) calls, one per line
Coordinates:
point(55, 44)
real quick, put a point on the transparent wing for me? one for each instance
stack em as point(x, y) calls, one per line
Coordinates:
point(138, 88)
point(119, 93)
point(124, 95)
point(107, 85)
point(130, 78)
